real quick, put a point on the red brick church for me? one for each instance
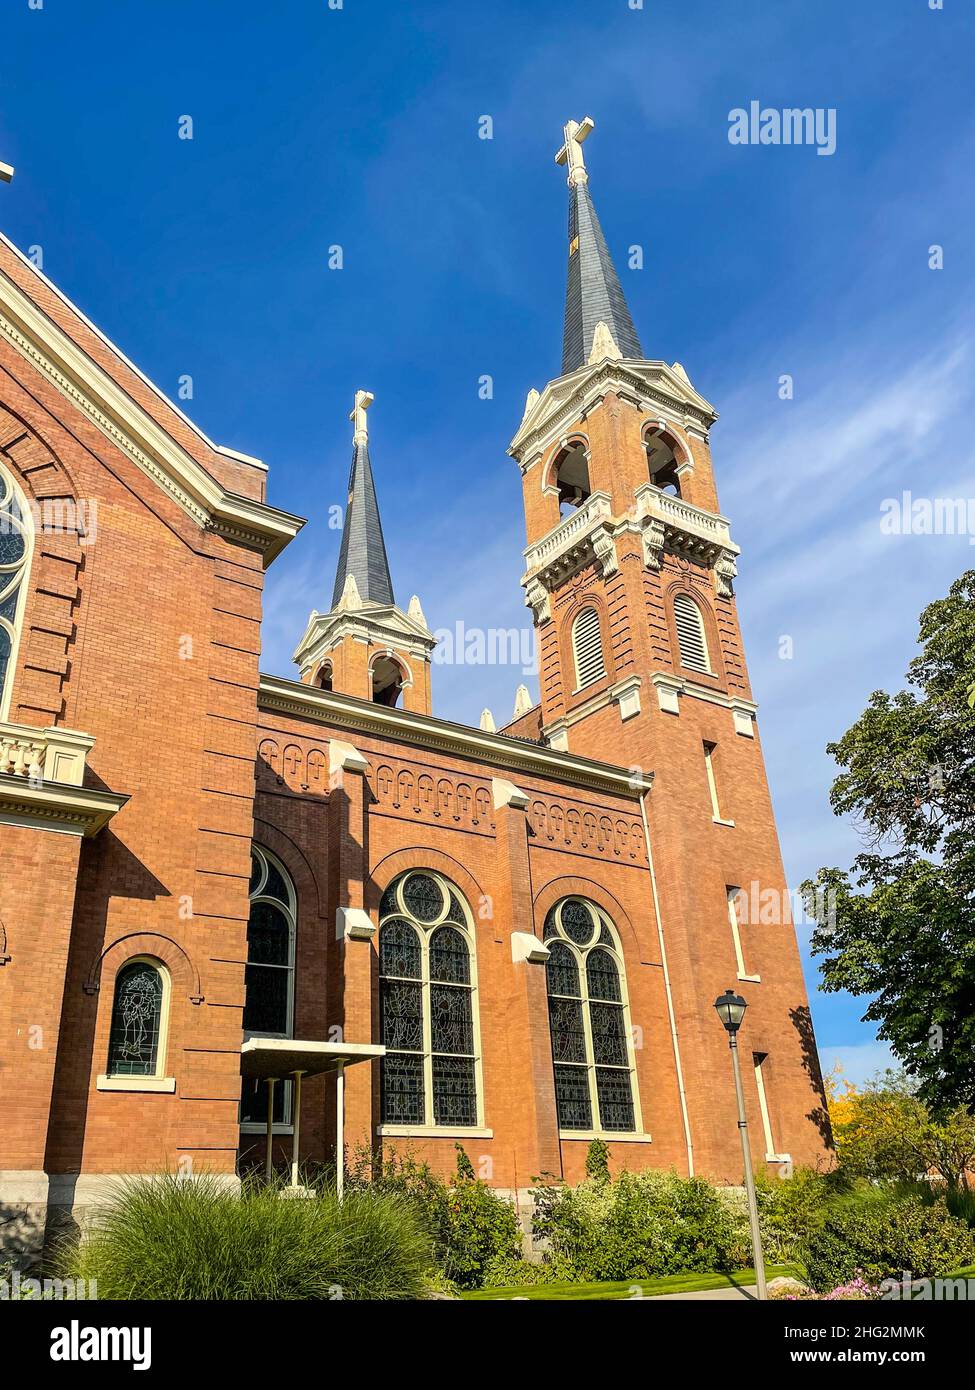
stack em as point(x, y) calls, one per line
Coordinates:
point(247, 917)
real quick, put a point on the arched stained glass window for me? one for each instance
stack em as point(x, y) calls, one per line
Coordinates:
point(589, 1021)
point(16, 538)
point(269, 976)
point(428, 1011)
point(136, 1042)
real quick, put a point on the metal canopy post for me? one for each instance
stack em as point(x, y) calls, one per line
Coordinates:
point(268, 1167)
point(340, 1130)
point(295, 1128)
point(279, 1059)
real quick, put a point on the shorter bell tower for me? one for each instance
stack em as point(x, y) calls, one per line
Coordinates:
point(365, 645)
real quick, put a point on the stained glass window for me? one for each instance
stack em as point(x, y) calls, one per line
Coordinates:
point(427, 1004)
point(449, 957)
point(588, 1021)
point(423, 897)
point(133, 1045)
point(16, 529)
point(578, 922)
point(269, 976)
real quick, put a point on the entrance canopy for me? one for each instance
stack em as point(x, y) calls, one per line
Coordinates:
point(281, 1059)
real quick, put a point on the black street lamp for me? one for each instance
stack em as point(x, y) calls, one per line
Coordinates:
point(731, 1008)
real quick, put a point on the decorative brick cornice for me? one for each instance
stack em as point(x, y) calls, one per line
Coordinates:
point(425, 731)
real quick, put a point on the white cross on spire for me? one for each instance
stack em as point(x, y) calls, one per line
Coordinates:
point(360, 427)
point(571, 152)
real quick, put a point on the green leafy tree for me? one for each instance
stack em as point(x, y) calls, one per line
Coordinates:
point(899, 927)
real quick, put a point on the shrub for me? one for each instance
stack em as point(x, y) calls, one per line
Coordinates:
point(506, 1273)
point(481, 1227)
point(960, 1201)
point(167, 1238)
point(883, 1238)
point(791, 1211)
point(469, 1224)
point(597, 1161)
point(639, 1226)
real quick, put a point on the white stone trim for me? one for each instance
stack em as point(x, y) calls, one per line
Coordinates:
point(373, 624)
point(610, 1136)
point(23, 1186)
point(625, 693)
point(744, 718)
point(133, 430)
point(669, 687)
point(527, 947)
point(66, 810)
point(136, 1083)
point(651, 385)
point(113, 347)
point(343, 757)
point(505, 793)
point(743, 974)
point(353, 924)
point(432, 1132)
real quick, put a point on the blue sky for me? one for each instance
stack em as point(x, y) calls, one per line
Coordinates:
point(358, 127)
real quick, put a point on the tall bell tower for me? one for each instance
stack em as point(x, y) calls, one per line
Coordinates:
point(629, 573)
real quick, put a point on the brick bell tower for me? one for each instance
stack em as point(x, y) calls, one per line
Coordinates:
point(629, 575)
point(365, 645)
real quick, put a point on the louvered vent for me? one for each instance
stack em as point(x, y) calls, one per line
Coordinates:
point(588, 648)
point(690, 635)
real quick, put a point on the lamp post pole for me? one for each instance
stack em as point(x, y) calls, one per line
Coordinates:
point(731, 1010)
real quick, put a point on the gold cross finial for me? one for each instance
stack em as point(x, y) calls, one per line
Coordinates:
point(6, 172)
point(360, 430)
point(571, 152)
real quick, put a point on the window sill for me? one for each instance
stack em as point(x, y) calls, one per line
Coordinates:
point(434, 1132)
point(719, 820)
point(778, 1158)
point(751, 979)
point(608, 1136)
point(166, 1084)
point(255, 1127)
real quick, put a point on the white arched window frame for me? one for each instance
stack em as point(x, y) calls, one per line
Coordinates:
point(692, 640)
point(587, 648)
point(16, 547)
point(593, 1056)
point(431, 1080)
point(138, 1035)
point(274, 905)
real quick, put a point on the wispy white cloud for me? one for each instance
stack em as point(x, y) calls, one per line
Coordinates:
point(858, 1062)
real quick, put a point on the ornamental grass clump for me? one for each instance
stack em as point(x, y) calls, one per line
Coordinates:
point(167, 1237)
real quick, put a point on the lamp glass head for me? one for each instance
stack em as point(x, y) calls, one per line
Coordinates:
point(731, 1009)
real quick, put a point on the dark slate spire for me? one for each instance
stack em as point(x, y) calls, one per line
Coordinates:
point(593, 292)
point(363, 552)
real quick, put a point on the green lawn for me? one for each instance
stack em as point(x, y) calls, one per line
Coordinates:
point(673, 1283)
